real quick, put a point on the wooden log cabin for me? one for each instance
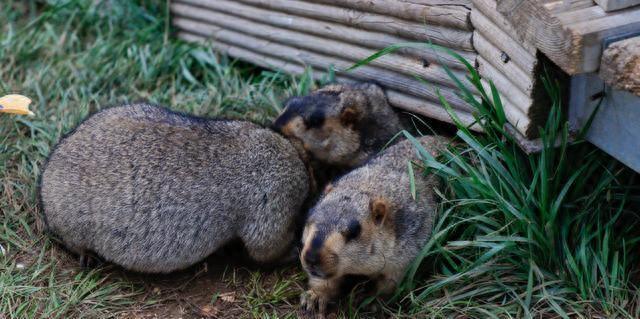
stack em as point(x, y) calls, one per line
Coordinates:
point(510, 42)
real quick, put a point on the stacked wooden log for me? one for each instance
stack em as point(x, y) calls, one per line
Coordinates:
point(323, 34)
point(512, 65)
point(292, 35)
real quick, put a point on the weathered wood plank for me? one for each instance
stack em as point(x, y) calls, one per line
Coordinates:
point(488, 8)
point(592, 14)
point(573, 39)
point(393, 62)
point(592, 25)
point(521, 80)
point(397, 99)
point(321, 61)
point(449, 37)
point(620, 65)
point(521, 56)
point(506, 88)
point(438, 2)
point(514, 115)
point(567, 5)
point(520, 83)
point(433, 110)
point(612, 5)
point(508, 61)
point(536, 25)
point(428, 12)
point(331, 30)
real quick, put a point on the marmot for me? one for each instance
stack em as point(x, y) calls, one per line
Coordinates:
point(113, 158)
point(341, 124)
point(367, 223)
point(155, 191)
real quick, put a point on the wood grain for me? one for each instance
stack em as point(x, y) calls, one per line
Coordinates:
point(571, 38)
point(567, 5)
point(320, 61)
point(523, 56)
point(449, 37)
point(445, 13)
point(521, 80)
point(505, 86)
point(393, 62)
point(366, 38)
point(535, 25)
point(612, 5)
point(590, 26)
point(488, 9)
point(397, 99)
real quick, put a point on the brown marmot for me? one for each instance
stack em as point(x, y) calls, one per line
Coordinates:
point(341, 124)
point(156, 191)
point(368, 223)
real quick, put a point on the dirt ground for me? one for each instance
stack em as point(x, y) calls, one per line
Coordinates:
point(230, 286)
point(223, 286)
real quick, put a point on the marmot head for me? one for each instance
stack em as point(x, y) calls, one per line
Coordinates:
point(348, 235)
point(335, 123)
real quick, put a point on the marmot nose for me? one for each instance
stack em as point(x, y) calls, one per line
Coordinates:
point(312, 257)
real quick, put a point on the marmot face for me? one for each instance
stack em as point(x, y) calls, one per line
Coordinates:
point(348, 234)
point(330, 122)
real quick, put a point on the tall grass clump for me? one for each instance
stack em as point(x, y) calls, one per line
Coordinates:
point(552, 234)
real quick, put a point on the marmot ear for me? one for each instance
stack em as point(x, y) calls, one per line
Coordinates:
point(327, 189)
point(380, 210)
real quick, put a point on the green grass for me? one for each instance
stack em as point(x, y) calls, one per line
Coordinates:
point(548, 235)
point(552, 234)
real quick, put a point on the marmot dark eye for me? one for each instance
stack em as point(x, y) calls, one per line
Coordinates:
point(316, 119)
point(353, 231)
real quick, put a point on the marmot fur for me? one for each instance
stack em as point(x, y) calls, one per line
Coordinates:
point(341, 124)
point(367, 223)
point(156, 191)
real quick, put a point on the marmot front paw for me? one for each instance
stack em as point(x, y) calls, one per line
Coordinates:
point(314, 303)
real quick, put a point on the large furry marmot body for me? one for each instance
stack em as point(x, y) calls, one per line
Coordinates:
point(156, 191)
